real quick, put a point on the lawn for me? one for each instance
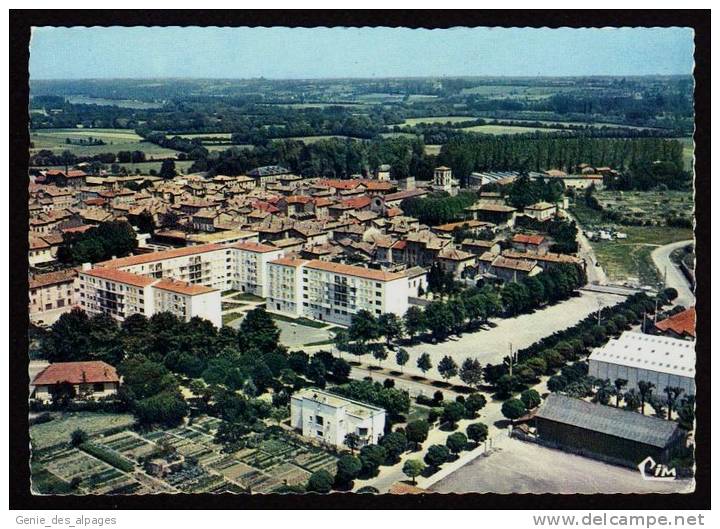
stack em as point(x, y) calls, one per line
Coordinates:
point(58, 430)
point(231, 317)
point(246, 296)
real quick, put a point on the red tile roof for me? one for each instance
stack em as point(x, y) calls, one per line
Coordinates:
point(160, 256)
point(182, 287)
point(357, 271)
point(72, 372)
point(522, 238)
point(52, 278)
point(681, 323)
point(112, 274)
point(289, 261)
point(254, 247)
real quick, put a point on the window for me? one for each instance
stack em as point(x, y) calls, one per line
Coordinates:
point(319, 433)
point(362, 431)
point(319, 420)
point(99, 387)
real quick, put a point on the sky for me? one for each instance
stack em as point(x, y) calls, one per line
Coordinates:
point(281, 53)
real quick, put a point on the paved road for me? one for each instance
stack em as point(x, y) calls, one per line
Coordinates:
point(595, 274)
point(674, 277)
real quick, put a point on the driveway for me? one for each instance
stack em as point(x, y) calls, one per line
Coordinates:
point(674, 277)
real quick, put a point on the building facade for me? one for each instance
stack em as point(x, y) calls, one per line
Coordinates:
point(86, 380)
point(328, 418)
point(333, 292)
point(636, 356)
point(52, 294)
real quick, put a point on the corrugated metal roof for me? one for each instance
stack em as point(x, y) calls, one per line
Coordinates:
point(654, 353)
point(608, 420)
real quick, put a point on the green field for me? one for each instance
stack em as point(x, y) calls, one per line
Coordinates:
point(630, 258)
point(204, 135)
point(59, 430)
point(505, 129)
point(314, 139)
point(437, 119)
point(433, 149)
point(115, 140)
point(688, 152)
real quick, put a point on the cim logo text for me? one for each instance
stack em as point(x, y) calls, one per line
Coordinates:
point(652, 471)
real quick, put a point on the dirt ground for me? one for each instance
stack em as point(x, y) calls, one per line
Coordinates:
point(522, 467)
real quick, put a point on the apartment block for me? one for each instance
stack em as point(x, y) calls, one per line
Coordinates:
point(328, 418)
point(121, 294)
point(51, 295)
point(333, 292)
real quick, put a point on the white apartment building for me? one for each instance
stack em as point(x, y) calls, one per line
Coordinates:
point(120, 294)
point(240, 266)
point(636, 356)
point(187, 301)
point(250, 263)
point(328, 418)
point(207, 264)
point(333, 292)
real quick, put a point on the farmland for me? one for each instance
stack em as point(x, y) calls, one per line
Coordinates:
point(58, 430)
point(505, 129)
point(114, 140)
point(629, 259)
point(117, 462)
point(437, 119)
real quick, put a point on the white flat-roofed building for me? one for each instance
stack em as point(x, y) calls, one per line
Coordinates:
point(284, 293)
point(328, 418)
point(187, 301)
point(658, 359)
point(117, 293)
point(334, 292)
point(210, 265)
point(120, 294)
point(250, 262)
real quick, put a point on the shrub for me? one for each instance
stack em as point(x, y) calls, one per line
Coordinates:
point(456, 442)
point(111, 458)
point(436, 455)
point(477, 431)
point(320, 481)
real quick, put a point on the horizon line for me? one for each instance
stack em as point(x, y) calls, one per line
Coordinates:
point(360, 78)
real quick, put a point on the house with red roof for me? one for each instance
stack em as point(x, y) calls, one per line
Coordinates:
point(84, 380)
point(680, 325)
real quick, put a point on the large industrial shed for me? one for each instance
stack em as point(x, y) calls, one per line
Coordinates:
point(636, 356)
point(605, 432)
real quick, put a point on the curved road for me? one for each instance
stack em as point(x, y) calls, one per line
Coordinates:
point(674, 277)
